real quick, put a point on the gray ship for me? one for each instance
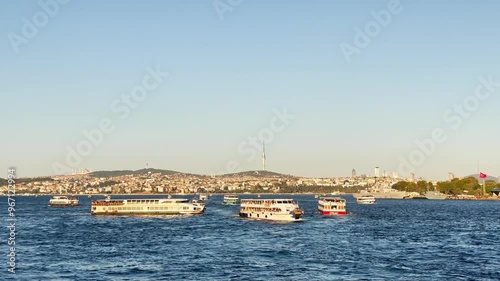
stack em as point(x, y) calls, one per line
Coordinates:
point(396, 194)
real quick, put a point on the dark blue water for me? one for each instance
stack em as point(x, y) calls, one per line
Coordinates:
point(392, 240)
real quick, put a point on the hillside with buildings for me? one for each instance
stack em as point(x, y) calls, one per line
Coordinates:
point(167, 181)
point(148, 181)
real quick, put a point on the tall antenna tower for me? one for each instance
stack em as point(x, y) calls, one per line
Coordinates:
point(263, 156)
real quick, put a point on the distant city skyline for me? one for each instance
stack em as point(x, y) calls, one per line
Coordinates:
point(393, 175)
point(175, 84)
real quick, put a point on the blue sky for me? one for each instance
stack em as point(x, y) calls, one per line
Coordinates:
point(228, 76)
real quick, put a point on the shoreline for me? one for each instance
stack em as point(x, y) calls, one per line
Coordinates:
point(164, 194)
point(194, 194)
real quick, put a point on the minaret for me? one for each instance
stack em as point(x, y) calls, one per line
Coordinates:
point(263, 156)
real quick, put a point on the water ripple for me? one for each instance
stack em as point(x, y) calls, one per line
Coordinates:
point(391, 240)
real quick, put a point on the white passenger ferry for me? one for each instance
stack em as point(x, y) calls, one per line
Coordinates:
point(271, 209)
point(167, 206)
point(366, 199)
point(230, 199)
point(63, 201)
point(332, 206)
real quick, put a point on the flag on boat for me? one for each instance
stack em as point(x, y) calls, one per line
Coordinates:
point(483, 176)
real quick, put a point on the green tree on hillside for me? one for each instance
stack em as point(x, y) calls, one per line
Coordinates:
point(405, 186)
point(468, 185)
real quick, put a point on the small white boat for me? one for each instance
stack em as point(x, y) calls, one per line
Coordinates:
point(366, 199)
point(332, 206)
point(230, 199)
point(63, 201)
point(271, 209)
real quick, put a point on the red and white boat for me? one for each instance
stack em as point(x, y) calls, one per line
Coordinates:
point(331, 206)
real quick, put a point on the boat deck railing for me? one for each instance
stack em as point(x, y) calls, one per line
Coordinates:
point(107, 203)
point(267, 201)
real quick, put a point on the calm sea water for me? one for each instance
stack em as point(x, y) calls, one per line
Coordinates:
point(392, 240)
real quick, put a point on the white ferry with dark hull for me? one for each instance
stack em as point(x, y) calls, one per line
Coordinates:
point(64, 201)
point(167, 206)
point(271, 209)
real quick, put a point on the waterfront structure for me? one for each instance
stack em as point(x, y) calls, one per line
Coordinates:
point(167, 206)
point(271, 209)
point(435, 195)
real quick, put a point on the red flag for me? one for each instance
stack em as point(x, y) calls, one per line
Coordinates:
point(483, 176)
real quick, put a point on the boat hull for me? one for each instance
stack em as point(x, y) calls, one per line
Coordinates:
point(366, 202)
point(271, 216)
point(63, 205)
point(332, 212)
point(116, 213)
point(230, 203)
